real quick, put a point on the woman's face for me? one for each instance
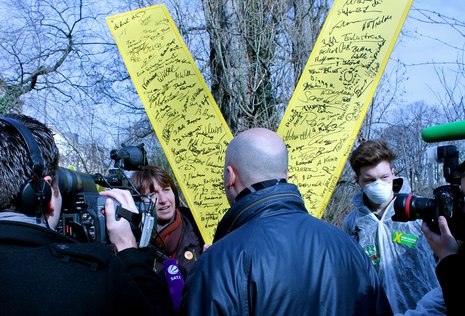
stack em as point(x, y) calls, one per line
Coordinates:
point(164, 201)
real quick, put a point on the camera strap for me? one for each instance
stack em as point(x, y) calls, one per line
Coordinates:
point(133, 218)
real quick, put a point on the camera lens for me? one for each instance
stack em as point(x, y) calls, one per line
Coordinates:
point(72, 182)
point(408, 207)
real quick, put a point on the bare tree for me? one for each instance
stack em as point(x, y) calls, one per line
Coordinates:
point(450, 73)
point(58, 65)
point(307, 21)
point(35, 48)
point(248, 42)
point(451, 98)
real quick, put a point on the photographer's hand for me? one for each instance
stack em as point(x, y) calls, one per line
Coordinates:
point(119, 231)
point(443, 245)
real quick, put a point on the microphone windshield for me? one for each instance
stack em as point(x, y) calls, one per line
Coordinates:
point(443, 132)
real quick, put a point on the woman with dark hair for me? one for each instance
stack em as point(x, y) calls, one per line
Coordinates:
point(176, 235)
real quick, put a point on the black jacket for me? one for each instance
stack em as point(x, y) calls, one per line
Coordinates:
point(271, 257)
point(44, 273)
point(451, 275)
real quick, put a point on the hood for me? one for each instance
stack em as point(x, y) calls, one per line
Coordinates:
point(401, 185)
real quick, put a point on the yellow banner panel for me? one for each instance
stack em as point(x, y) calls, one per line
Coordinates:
point(184, 115)
point(334, 92)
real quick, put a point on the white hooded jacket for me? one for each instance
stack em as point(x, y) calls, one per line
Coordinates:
point(399, 251)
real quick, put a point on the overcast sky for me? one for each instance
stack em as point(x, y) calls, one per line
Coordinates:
point(414, 49)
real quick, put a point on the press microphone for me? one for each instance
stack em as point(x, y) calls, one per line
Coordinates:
point(443, 132)
point(175, 281)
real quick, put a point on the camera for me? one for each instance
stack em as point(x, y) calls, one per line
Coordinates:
point(447, 200)
point(82, 215)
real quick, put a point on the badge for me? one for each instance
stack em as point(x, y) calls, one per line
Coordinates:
point(372, 252)
point(188, 255)
point(405, 239)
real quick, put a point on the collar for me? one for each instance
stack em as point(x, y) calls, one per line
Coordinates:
point(279, 198)
point(26, 234)
point(20, 217)
point(259, 186)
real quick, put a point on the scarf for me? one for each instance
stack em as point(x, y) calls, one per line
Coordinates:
point(171, 235)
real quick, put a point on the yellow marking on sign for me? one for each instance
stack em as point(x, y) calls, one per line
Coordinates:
point(184, 115)
point(327, 109)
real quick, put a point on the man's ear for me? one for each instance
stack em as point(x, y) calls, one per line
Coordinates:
point(50, 207)
point(231, 176)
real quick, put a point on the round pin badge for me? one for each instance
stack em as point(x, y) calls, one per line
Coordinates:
point(188, 255)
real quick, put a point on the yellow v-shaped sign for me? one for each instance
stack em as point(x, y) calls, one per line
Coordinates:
point(319, 126)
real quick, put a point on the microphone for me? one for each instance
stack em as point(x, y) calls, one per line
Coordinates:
point(449, 131)
point(175, 282)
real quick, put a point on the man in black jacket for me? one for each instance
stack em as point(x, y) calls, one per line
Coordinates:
point(46, 273)
point(270, 256)
point(451, 266)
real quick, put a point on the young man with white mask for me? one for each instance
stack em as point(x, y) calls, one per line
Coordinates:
point(398, 250)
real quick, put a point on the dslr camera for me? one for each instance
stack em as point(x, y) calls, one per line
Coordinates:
point(447, 200)
point(82, 215)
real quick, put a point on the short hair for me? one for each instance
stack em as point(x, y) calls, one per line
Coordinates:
point(15, 166)
point(370, 153)
point(143, 180)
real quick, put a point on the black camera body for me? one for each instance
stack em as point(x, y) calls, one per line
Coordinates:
point(85, 220)
point(82, 215)
point(447, 200)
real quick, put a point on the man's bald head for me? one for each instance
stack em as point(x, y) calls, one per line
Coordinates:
point(256, 155)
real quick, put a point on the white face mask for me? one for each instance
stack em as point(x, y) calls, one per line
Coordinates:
point(378, 192)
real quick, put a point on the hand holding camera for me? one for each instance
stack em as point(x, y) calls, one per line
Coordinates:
point(447, 203)
point(443, 244)
point(119, 229)
point(82, 217)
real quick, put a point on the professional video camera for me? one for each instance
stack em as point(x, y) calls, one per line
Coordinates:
point(448, 199)
point(82, 215)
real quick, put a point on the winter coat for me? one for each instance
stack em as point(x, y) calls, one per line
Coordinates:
point(45, 273)
point(189, 248)
point(451, 275)
point(271, 257)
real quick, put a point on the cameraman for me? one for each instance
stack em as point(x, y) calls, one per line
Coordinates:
point(450, 270)
point(46, 273)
